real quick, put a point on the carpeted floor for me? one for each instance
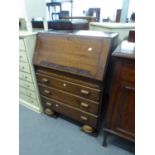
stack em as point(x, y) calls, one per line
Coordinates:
point(43, 135)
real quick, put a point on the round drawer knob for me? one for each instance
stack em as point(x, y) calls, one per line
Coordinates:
point(57, 105)
point(90, 49)
point(64, 84)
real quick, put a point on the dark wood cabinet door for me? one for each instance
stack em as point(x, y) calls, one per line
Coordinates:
point(124, 113)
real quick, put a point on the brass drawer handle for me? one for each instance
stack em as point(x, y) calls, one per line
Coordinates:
point(48, 104)
point(47, 92)
point(85, 92)
point(84, 118)
point(45, 80)
point(84, 105)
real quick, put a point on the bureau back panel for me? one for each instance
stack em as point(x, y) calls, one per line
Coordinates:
point(81, 55)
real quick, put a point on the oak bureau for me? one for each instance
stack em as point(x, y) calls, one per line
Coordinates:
point(70, 70)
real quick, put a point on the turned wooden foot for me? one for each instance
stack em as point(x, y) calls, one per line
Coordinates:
point(105, 139)
point(49, 111)
point(87, 129)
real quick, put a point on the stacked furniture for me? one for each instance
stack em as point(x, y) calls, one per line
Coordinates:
point(121, 28)
point(28, 91)
point(63, 24)
point(70, 70)
point(120, 119)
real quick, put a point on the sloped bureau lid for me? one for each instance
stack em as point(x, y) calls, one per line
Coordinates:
point(83, 53)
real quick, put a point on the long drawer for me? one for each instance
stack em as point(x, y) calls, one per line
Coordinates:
point(24, 67)
point(28, 99)
point(26, 84)
point(23, 56)
point(67, 110)
point(25, 76)
point(86, 92)
point(70, 99)
point(27, 92)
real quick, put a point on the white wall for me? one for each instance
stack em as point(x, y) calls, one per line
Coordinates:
point(108, 7)
point(32, 8)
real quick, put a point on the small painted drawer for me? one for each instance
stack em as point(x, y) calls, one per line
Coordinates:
point(28, 99)
point(24, 67)
point(25, 76)
point(23, 57)
point(21, 45)
point(26, 84)
point(27, 92)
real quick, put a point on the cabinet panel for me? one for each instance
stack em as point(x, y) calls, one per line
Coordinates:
point(124, 115)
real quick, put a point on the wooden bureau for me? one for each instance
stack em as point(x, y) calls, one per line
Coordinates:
point(70, 70)
point(120, 119)
point(28, 91)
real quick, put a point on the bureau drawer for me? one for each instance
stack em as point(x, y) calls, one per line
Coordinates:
point(25, 76)
point(21, 45)
point(70, 99)
point(24, 67)
point(23, 57)
point(26, 84)
point(27, 92)
point(67, 110)
point(86, 92)
point(28, 99)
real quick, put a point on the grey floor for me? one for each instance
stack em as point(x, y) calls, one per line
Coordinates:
point(43, 135)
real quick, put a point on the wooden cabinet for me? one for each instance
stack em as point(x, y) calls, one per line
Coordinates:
point(28, 90)
point(70, 71)
point(120, 118)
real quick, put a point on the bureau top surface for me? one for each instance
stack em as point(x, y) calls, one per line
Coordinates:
point(83, 53)
point(82, 33)
point(125, 50)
